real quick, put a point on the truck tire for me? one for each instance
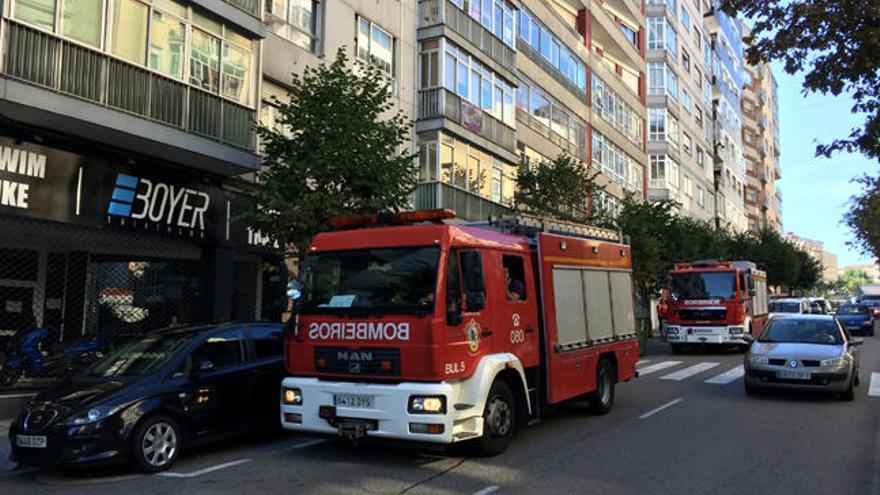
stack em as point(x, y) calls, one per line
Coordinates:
point(499, 420)
point(602, 399)
point(156, 443)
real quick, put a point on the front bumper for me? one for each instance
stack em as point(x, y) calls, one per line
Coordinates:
point(389, 417)
point(830, 381)
point(689, 334)
point(860, 329)
point(97, 443)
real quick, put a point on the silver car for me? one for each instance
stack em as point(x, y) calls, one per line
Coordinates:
point(808, 352)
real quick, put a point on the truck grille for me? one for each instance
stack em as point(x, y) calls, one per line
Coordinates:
point(351, 361)
point(702, 314)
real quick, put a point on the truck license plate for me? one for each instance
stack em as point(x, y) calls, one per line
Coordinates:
point(703, 330)
point(357, 401)
point(793, 375)
point(30, 441)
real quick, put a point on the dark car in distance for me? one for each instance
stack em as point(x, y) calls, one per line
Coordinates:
point(857, 318)
point(156, 395)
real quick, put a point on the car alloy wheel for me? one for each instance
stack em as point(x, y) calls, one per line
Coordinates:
point(159, 445)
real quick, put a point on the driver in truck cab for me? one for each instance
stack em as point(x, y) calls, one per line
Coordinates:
point(515, 288)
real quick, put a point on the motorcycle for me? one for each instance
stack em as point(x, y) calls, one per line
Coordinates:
point(26, 357)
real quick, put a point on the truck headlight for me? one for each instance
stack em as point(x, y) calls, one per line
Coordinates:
point(758, 360)
point(672, 330)
point(427, 404)
point(832, 363)
point(737, 330)
point(292, 396)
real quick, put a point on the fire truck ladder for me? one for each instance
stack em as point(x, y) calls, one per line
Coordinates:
point(529, 225)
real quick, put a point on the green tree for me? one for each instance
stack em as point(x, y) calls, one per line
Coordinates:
point(864, 216)
point(853, 279)
point(557, 188)
point(339, 148)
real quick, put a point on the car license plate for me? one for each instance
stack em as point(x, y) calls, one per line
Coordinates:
point(357, 401)
point(793, 375)
point(703, 330)
point(30, 441)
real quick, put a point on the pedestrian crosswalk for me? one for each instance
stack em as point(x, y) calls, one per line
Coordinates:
point(690, 370)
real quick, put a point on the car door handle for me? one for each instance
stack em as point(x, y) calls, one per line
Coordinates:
point(486, 332)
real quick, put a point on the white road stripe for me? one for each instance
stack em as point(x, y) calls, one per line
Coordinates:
point(689, 371)
point(643, 362)
point(728, 376)
point(657, 367)
point(206, 470)
point(302, 445)
point(16, 396)
point(486, 491)
point(661, 408)
point(874, 389)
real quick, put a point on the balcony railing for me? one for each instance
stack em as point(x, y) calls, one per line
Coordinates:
point(465, 204)
point(435, 12)
point(532, 123)
point(60, 65)
point(252, 7)
point(440, 102)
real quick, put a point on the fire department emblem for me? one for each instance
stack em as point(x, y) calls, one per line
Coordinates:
point(472, 332)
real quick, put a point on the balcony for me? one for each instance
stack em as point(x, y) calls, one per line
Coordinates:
point(71, 69)
point(441, 103)
point(444, 12)
point(466, 205)
point(532, 123)
point(549, 68)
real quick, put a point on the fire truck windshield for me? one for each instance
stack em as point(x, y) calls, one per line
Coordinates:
point(703, 285)
point(386, 280)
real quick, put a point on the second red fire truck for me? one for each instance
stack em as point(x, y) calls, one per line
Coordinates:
point(410, 328)
point(714, 303)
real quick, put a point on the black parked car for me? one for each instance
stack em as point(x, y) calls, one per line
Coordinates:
point(156, 395)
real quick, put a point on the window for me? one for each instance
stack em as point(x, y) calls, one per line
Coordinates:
point(236, 67)
point(698, 76)
point(81, 20)
point(672, 130)
point(268, 342)
point(37, 12)
point(204, 61)
point(671, 84)
point(698, 117)
point(686, 101)
point(375, 46)
point(630, 34)
point(686, 143)
point(685, 61)
point(129, 30)
point(614, 110)
point(514, 271)
point(615, 163)
point(656, 78)
point(685, 18)
point(707, 91)
point(701, 157)
point(687, 186)
point(658, 169)
point(748, 137)
point(167, 43)
point(701, 196)
point(495, 15)
point(543, 41)
point(656, 32)
point(476, 83)
point(657, 124)
point(294, 20)
point(222, 350)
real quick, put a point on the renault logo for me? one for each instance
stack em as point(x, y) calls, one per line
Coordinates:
point(792, 364)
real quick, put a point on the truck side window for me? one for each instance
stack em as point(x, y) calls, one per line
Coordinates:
point(453, 286)
point(472, 280)
point(514, 277)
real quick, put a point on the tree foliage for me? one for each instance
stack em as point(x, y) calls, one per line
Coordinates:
point(557, 188)
point(864, 216)
point(836, 43)
point(339, 149)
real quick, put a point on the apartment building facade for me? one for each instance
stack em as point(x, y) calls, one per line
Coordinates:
point(816, 250)
point(680, 103)
point(760, 136)
point(122, 124)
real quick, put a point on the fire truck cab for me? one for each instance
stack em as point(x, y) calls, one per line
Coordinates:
point(443, 333)
point(714, 303)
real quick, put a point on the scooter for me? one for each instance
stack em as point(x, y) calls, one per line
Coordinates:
point(26, 358)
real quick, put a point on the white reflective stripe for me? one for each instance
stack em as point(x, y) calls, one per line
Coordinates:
point(689, 371)
point(728, 376)
point(657, 367)
point(874, 389)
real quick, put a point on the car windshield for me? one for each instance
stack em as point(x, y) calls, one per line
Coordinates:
point(705, 285)
point(141, 356)
point(402, 279)
point(785, 307)
point(853, 309)
point(797, 330)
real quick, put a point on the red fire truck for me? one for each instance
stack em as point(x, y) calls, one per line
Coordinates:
point(411, 328)
point(714, 303)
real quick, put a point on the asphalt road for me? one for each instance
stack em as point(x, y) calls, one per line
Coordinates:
point(670, 432)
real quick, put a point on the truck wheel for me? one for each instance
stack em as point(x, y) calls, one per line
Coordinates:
point(155, 444)
point(9, 375)
point(602, 399)
point(499, 420)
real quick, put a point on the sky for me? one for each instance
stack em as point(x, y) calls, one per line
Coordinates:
point(816, 190)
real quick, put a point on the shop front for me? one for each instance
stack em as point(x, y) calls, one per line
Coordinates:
point(96, 243)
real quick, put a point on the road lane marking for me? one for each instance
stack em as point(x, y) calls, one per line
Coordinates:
point(689, 371)
point(206, 470)
point(728, 376)
point(657, 367)
point(874, 389)
point(486, 491)
point(661, 408)
point(300, 445)
point(16, 396)
point(642, 362)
